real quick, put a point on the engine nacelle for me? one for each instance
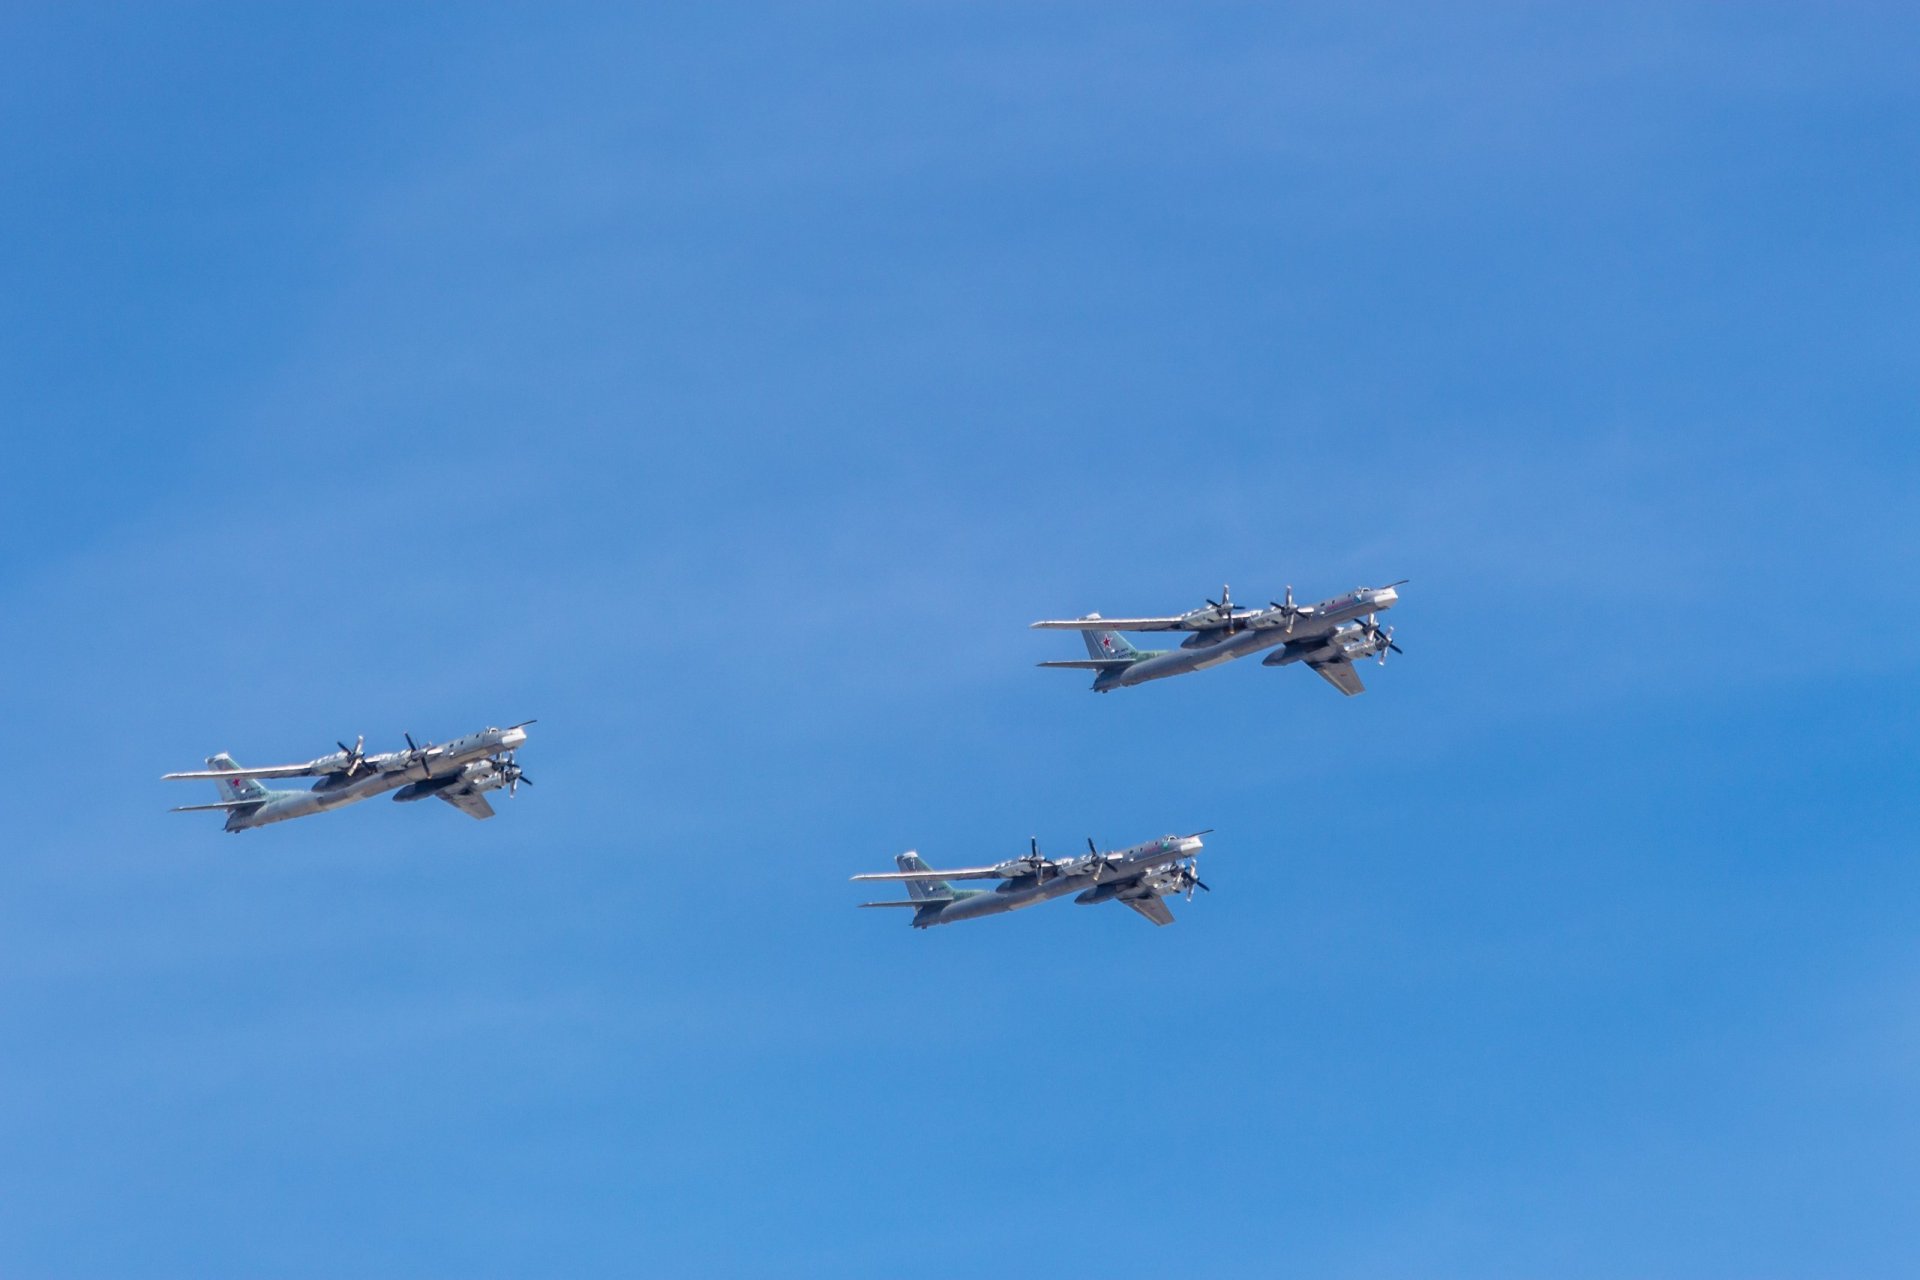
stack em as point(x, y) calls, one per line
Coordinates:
point(1359, 644)
point(1206, 639)
point(482, 776)
point(1349, 640)
point(1300, 653)
point(421, 790)
point(335, 763)
point(1084, 865)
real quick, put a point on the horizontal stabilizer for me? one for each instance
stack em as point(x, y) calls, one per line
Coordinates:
point(923, 902)
point(224, 804)
point(1090, 664)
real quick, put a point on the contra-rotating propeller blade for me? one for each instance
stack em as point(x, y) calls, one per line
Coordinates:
point(1096, 861)
point(1190, 873)
point(1380, 638)
point(1287, 608)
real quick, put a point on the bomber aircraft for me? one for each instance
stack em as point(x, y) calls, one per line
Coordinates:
point(459, 772)
point(1327, 636)
point(1142, 877)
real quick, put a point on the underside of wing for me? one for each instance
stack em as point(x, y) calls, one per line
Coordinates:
point(1341, 675)
point(1116, 624)
point(268, 771)
point(467, 802)
point(1091, 664)
point(1153, 907)
point(965, 873)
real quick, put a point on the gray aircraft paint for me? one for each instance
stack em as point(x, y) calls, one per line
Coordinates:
point(1326, 631)
point(1133, 872)
point(411, 775)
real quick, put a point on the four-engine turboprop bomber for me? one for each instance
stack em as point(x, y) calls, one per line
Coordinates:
point(1327, 636)
point(459, 772)
point(1143, 877)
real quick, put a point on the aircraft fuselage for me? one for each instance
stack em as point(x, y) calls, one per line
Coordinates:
point(439, 764)
point(1315, 622)
point(1013, 895)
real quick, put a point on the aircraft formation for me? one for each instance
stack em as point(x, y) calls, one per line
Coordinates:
point(1329, 637)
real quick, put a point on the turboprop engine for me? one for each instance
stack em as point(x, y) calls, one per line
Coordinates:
point(1349, 640)
point(481, 775)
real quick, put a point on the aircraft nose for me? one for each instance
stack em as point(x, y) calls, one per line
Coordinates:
point(1385, 596)
point(513, 737)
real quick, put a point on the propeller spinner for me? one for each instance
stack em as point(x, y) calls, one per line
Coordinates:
point(1287, 608)
point(1381, 638)
point(356, 755)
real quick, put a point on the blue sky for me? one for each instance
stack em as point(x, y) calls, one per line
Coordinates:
point(727, 387)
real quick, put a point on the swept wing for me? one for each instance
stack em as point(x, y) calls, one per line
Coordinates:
point(966, 873)
point(1341, 675)
point(1185, 622)
point(1153, 907)
point(311, 769)
point(467, 802)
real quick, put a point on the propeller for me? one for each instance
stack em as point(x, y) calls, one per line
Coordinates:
point(1287, 608)
point(1190, 877)
point(1224, 605)
point(416, 754)
point(1381, 638)
point(1034, 858)
point(356, 754)
point(1096, 860)
point(512, 772)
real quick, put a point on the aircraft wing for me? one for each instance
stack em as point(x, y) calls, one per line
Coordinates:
point(467, 802)
point(1341, 675)
point(1135, 624)
point(307, 770)
point(1153, 907)
point(965, 873)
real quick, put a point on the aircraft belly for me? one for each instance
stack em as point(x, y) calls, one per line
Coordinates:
point(995, 903)
point(298, 804)
point(1180, 661)
point(1170, 664)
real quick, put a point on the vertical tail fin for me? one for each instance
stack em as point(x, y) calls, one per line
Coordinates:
point(1108, 644)
point(235, 788)
point(923, 890)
